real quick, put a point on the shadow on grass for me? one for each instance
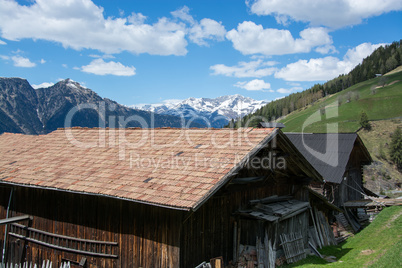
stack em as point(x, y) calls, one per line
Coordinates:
point(337, 251)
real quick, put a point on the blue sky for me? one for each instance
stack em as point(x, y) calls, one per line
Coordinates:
point(149, 51)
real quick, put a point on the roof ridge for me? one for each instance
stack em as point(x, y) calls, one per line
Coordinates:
point(176, 128)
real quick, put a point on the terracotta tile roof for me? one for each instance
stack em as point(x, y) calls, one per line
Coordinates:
point(177, 168)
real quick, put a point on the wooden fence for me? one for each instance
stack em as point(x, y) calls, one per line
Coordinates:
point(293, 246)
point(65, 243)
point(45, 264)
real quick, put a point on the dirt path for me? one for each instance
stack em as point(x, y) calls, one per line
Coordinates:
point(393, 82)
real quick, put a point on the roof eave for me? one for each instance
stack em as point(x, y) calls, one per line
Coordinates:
point(13, 184)
point(324, 199)
point(364, 148)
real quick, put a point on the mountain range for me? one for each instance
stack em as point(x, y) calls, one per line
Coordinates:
point(24, 109)
point(215, 112)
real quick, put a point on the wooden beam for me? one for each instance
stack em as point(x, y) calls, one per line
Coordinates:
point(76, 239)
point(235, 242)
point(15, 219)
point(247, 180)
point(271, 199)
point(84, 252)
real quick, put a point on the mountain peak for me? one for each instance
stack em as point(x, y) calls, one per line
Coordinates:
point(70, 82)
point(218, 111)
point(13, 78)
point(24, 109)
point(72, 86)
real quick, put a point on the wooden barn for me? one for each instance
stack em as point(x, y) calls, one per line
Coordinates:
point(149, 197)
point(339, 158)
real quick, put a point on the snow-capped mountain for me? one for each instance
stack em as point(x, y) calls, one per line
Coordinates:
point(210, 112)
point(40, 110)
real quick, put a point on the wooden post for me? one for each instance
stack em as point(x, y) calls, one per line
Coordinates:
point(238, 238)
point(270, 254)
point(260, 253)
point(320, 234)
point(235, 242)
point(276, 224)
point(5, 231)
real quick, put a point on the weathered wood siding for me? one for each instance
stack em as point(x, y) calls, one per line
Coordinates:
point(208, 232)
point(355, 174)
point(150, 236)
point(350, 188)
point(250, 229)
point(147, 236)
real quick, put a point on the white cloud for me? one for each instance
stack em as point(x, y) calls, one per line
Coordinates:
point(245, 69)
point(294, 84)
point(331, 13)
point(250, 38)
point(106, 56)
point(100, 67)
point(289, 90)
point(2, 42)
point(323, 69)
point(207, 29)
point(80, 24)
point(183, 14)
point(254, 85)
point(320, 69)
point(199, 32)
point(356, 55)
point(137, 18)
point(326, 49)
point(20, 61)
point(42, 61)
point(43, 85)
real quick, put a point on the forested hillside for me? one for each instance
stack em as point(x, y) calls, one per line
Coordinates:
point(381, 61)
point(376, 100)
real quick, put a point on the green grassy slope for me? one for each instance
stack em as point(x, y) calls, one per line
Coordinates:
point(378, 245)
point(386, 103)
point(381, 176)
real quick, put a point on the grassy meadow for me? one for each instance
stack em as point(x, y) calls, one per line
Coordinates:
point(378, 245)
point(342, 110)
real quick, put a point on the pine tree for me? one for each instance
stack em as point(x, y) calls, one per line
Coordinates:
point(364, 122)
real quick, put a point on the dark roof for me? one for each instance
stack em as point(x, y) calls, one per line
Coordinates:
point(328, 153)
point(369, 193)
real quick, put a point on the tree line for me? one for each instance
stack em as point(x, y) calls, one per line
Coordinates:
point(381, 61)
